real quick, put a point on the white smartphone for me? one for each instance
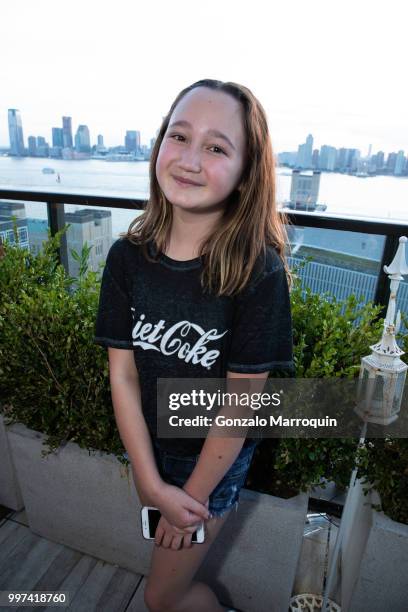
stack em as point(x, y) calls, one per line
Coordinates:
point(150, 520)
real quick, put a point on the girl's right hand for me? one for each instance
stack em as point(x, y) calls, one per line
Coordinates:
point(179, 509)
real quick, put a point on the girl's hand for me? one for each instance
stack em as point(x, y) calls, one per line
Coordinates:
point(188, 530)
point(179, 509)
point(169, 536)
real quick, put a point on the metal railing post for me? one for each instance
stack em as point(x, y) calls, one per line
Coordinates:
point(382, 288)
point(56, 221)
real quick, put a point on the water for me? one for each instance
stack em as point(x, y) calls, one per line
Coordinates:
point(381, 197)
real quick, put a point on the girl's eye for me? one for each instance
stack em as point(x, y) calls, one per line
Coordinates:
point(176, 137)
point(219, 149)
point(181, 138)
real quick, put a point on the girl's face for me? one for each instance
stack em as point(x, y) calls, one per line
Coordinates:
point(205, 145)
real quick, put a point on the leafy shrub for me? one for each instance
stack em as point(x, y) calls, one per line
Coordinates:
point(384, 465)
point(52, 377)
point(330, 338)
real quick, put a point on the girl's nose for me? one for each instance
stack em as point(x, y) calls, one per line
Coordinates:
point(191, 159)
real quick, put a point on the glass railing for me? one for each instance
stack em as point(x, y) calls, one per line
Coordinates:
point(345, 255)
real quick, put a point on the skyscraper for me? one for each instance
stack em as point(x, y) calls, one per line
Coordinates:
point(67, 131)
point(399, 163)
point(379, 161)
point(342, 157)
point(57, 137)
point(82, 139)
point(327, 158)
point(32, 146)
point(43, 149)
point(391, 161)
point(15, 132)
point(304, 156)
point(132, 140)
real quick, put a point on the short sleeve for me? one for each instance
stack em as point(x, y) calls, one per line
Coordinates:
point(262, 329)
point(113, 325)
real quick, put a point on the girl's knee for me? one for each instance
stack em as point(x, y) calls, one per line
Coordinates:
point(158, 600)
point(153, 600)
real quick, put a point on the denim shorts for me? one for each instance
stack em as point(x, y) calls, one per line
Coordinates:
point(176, 470)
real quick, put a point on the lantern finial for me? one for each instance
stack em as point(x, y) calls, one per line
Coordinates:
point(382, 374)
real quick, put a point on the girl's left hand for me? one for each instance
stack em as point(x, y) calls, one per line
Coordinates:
point(169, 536)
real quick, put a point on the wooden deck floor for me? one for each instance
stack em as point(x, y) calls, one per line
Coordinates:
point(30, 562)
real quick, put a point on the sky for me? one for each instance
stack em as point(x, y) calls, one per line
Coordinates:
point(334, 69)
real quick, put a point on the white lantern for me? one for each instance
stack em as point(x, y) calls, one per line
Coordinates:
point(383, 374)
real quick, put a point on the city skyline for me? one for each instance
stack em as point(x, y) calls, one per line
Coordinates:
point(67, 146)
point(146, 140)
point(337, 78)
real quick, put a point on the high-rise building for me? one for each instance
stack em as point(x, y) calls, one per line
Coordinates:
point(57, 137)
point(391, 160)
point(42, 147)
point(399, 164)
point(342, 157)
point(315, 159)
point(8, 210)
point(100, 141)
point(83, 139)
point(32, 146)
point(304, 189)
point(354, 159)
point(91, 226)
point(132, 140)
point(309, 150)
point(327, 159)
point(67, 131)
point(15, 132)
point(379, 160)
point(304, 156)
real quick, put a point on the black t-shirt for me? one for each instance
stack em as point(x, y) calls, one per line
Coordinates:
point(177, 330)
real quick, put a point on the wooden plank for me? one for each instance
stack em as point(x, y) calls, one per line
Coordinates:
point(11, 533)
point(119, 591)
point(137, 603)
point(75, 579)
point(27, 562)
point(57, 572)
point(93, 587)
point(30, 562)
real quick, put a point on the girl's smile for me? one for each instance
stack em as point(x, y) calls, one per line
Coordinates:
point(186, 182)
point(202, 154)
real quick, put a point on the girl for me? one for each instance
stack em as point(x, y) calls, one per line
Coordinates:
point(197, 288)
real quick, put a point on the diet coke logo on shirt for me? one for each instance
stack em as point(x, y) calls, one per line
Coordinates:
point(149, 336)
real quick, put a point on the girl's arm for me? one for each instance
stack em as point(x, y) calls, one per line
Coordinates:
point(217, 456)
point(125, 389)
point(175, 504)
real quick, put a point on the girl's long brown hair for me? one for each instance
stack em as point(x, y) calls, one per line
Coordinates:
point(250, 221)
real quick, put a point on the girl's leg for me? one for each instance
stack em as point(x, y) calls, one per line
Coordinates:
point(170, 586)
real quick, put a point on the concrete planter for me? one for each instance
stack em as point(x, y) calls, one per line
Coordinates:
point(85, 501)
point(381, 582)
point(10, 494)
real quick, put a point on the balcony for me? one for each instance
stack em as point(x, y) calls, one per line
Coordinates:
point(32, 562)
